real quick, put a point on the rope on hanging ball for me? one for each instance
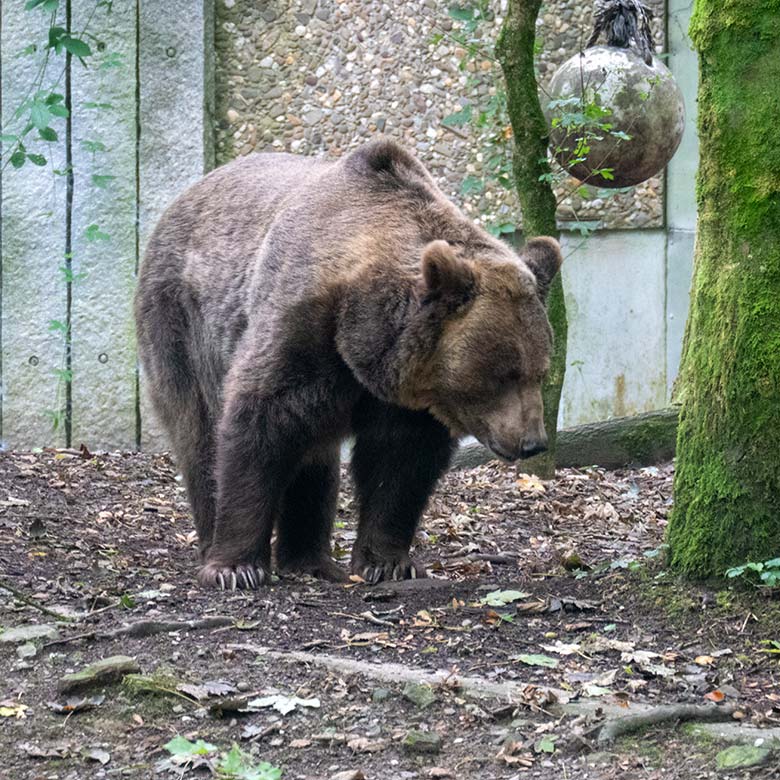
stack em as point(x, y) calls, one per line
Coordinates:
point(624, 22)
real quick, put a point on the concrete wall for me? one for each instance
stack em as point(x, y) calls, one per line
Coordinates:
point(322, 76)
point(151, 72)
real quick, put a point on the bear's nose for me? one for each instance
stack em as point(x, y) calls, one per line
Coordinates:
point(532, 447)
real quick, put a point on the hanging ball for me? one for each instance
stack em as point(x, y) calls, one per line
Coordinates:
point(609, 109)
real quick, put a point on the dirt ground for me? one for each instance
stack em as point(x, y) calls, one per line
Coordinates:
point(558, 587)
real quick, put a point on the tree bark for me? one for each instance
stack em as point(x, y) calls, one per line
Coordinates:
point(727, 484)
point(642, 440)
point(515, 52)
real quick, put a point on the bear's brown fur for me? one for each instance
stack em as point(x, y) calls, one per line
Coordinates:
point(286, 303)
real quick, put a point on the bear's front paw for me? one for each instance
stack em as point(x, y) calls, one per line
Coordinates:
point(374, 568)
point(244, 576)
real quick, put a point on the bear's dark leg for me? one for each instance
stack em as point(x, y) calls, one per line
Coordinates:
point(193, 445)
point(180, 406)
point(306, 520)
point(399, 456)
point(259, 447)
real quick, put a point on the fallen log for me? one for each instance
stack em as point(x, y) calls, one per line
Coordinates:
point(641, 440)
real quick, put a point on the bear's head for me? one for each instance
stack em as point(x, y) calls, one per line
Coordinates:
point(467, 338)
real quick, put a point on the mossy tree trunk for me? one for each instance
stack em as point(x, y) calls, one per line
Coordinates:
point(515, 51)
point(727, 485)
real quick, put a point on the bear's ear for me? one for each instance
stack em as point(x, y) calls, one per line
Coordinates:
point(543, 256)
point(445, 276)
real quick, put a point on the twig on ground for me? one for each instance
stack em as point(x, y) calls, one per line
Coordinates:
point(32, 603)
point(145, 628)
point(617, 727)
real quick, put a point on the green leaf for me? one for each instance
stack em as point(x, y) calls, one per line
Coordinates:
point(40, 115)
point(472, 185)
point(18, 158)
point(536, 660)
point(48, 134)
point(461, 14)
point(37, 159)
point(102, 180)
point(500, 598)
point(180, 746)
point(63, 374)
point(113, 60)
point(546, 744)
point(93, 146)
point(48, 5)
point(94, 233)
point(57, 326)
point(57, 110)
point(56, 34)
point(8, 138)
point(76, 47)
point(127, 601)
point(237, 765)
point(52, 98)
point(459, 118)
point(69, 276)
point(501, 228)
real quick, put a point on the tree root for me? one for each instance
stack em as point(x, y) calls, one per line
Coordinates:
point(17, 594)
point(148, 628)
point(617, 727)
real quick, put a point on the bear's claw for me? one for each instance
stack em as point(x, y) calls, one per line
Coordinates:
point(403, 570)
point(242, 576)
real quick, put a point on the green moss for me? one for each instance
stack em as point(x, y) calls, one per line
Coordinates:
point(641, 441)
point(640, 745)
point(727, 484)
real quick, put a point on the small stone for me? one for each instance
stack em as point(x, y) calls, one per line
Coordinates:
point(422, 742)
point(103, 672)
point(27, 650)
point(312, 117)
point(232, 116)
point(742, 757)
point(243, 686)
point(22, 634)
point(420, 694)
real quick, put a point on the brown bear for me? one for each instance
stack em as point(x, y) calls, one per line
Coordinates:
point(286, 303)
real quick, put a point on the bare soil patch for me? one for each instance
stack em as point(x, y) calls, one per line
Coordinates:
point(107, 541)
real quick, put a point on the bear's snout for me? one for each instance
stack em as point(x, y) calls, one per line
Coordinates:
point(514, 429)
point(526, 448)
